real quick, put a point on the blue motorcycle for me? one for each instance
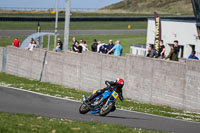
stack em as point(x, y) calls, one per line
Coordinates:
point(102, 104)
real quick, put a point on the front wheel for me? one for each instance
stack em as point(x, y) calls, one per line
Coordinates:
point(105, 110)
point(84, 109)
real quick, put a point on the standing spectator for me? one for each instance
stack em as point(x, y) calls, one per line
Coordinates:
point(73, 44)
point(192, 55)
point(161, 50)
point(16, 43)
point(172, 55)
point(59, 46)
point(110, 46)
point(151, 52)
point(78, 48)
point(176, 48)
point(117, 49)
point(84, 45)
point(94, 46)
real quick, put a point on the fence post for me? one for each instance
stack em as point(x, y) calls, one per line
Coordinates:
point(4, 59)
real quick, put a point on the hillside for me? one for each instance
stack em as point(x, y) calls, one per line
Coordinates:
point(175, 7)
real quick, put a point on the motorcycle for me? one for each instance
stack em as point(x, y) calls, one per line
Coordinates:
point(102, 104)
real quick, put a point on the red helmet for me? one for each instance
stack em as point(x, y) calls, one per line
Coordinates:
point(120, 81)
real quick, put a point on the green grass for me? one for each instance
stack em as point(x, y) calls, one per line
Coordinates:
point(126, 40)
point(104, 13)
point(9, 25)
point(61, 91)
point(18, 123)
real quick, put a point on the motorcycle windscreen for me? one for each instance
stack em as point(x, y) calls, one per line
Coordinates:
point(115, 95)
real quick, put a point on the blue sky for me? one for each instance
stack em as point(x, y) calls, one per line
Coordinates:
point(51, 3)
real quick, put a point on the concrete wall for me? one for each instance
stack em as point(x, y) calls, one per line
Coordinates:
point(24, 63)
point(86, 71)
point(147, 80)
point(192, 86)
point(1, 58)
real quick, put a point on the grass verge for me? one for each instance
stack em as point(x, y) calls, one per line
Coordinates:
point(18, 123)
point(61, 91)
point(126, 40)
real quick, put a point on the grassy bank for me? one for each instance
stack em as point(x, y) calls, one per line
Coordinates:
point(126, 40)
point(9, 25)
point(18, 123)
point(61, 91)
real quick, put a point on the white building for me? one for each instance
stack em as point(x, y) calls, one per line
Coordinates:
point(183, 31)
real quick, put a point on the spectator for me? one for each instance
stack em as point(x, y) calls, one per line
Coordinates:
point(99, 45)
point(103, 49)
point(151, 52)
point(161, 50)
point(110, 46)
point(16, 43)
point(117, 49)
point(94, 46)
point(176, 48)
point(31, 45)
point(84, 45)
point(192, 55)
point(73, 44)
point(59, 46)
point(172, 55)
point(78, 48)
point(80, 42)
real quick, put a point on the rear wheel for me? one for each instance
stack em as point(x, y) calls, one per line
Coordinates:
point(106, 109)
point(84, 109)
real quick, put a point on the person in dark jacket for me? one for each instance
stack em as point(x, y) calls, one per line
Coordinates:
point(172, 55)
point(176, 48)
point(161, 50)
point(151, 52)
point(94, 46)
point(78, 48)
point(73, 44)
point(110, 46)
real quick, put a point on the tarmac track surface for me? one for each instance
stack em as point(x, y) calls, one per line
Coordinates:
point(15, 100)
point(75, 32)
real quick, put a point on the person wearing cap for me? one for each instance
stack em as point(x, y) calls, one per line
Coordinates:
point(59, 46)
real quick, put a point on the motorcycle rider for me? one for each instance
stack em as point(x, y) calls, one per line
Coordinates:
point(111, 85)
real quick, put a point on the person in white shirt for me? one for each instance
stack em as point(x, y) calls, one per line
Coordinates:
point(99, 45)
point(31, 45)
point(84, 45)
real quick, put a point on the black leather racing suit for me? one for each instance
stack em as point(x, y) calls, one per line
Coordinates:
point(111, 85)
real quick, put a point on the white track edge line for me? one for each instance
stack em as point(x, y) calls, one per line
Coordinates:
point(67, 99)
